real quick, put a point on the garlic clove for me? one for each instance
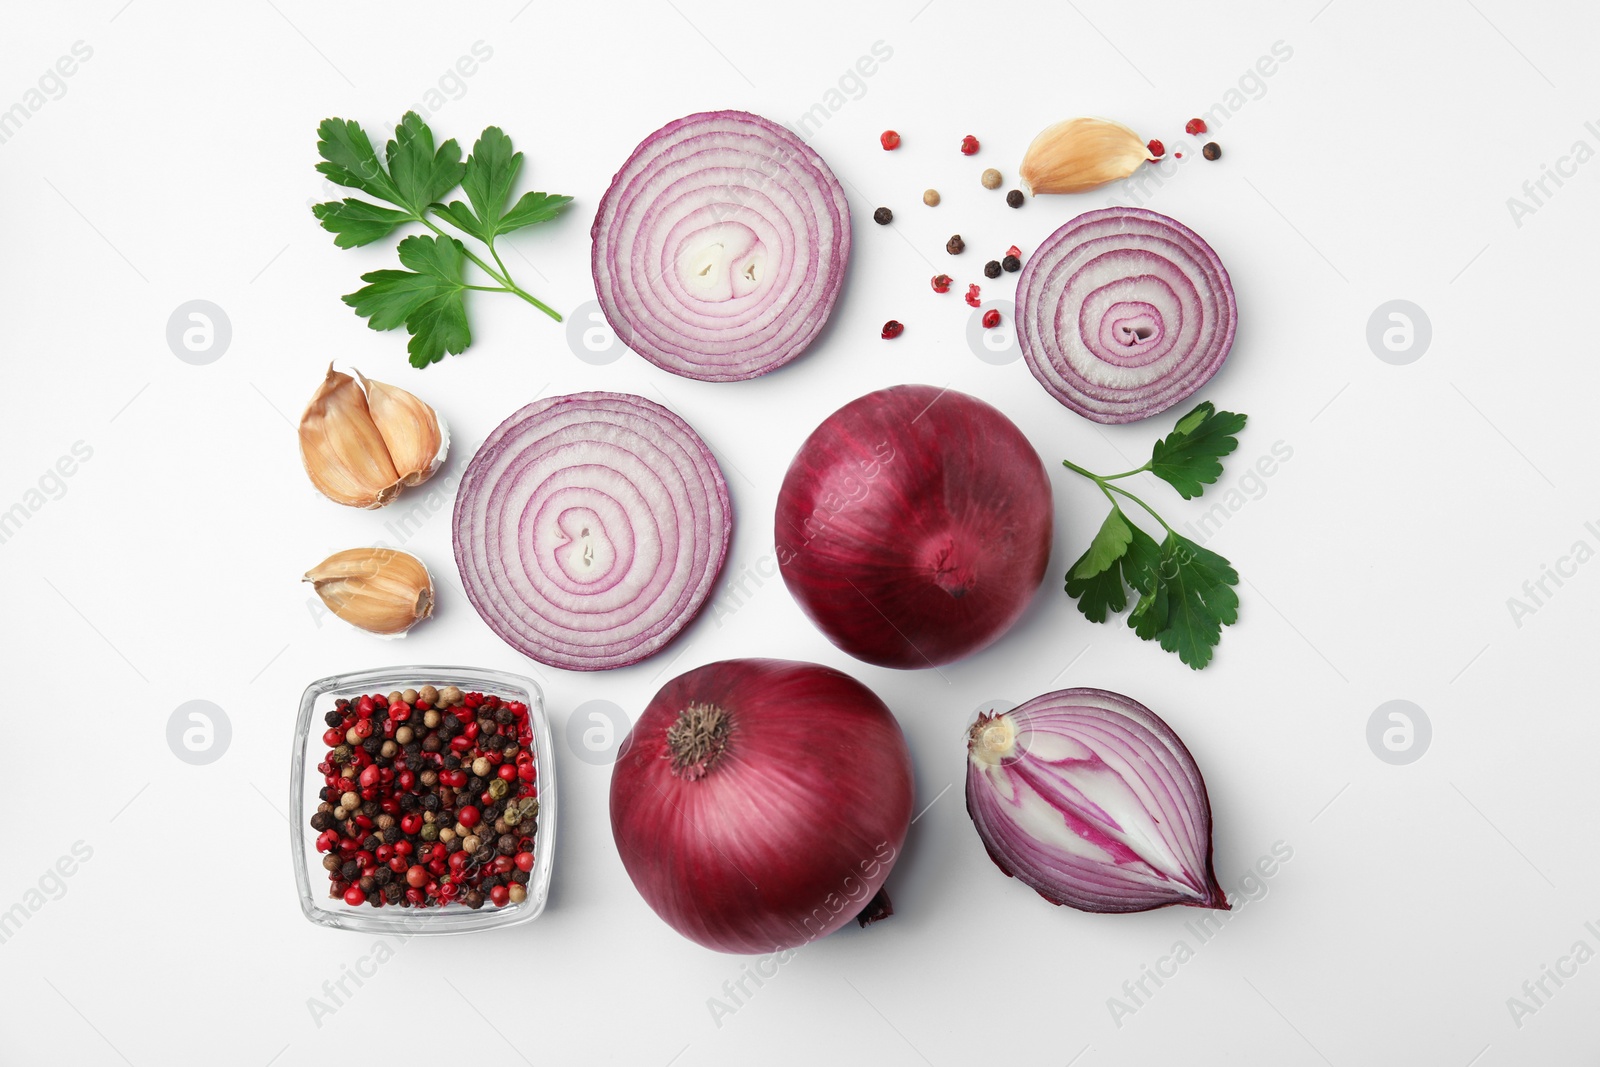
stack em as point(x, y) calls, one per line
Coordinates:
point(341, 447)
point(380, 590)
point(413, 433)
point(1081, 154)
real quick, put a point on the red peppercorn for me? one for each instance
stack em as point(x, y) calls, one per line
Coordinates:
point(416, 877)
point(972, 296)
point(468, 816)
point(890, 140)
point(1014, 251)
point(354, 896)
point(400, 713)
point(363, 728)
point(411, 824)
point(369, 777)
point(499, 896)
point(397, 864)
point(507, 772)
point(327, 840)
point(524, 861)
point(892, 329)
point(458, 862)
point(1194, 126)
point(991, 319)
point(402, 848)
point(1157, 149)
point(503, 865)
point(941, 283)
point(526, 772)
point(969, 145)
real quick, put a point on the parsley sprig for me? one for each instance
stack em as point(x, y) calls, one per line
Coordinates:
point(428, 299)
point(1185, 592)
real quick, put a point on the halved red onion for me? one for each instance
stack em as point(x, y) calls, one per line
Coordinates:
point(1124, 312)
point(721, 246)
point(1089, 798)
point(590, 528)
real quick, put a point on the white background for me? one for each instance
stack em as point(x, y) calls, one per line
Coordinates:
point(1372, 165)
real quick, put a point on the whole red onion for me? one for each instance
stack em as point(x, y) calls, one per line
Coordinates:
point(759, 804)
point(914, 526)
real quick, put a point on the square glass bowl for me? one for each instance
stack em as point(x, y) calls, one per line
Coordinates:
point(306, 784)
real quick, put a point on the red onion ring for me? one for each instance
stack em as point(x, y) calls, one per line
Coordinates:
point(1124, 312)
point(590, 528)
point(720, 247)
point(1090, 799)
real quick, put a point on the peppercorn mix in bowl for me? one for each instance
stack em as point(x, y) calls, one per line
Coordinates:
point(424, 800)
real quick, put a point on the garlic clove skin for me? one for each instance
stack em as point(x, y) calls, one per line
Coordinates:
point(380, 590)
point(413, 433)
point(1081, 154)
point(343, 452)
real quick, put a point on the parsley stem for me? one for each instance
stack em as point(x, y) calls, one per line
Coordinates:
point(504, 279)
point(1104, 482)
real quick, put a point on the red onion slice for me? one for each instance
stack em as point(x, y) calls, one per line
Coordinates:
point(721, 246)
point(590, 528)
point(1090, 799)
point(1124, 312)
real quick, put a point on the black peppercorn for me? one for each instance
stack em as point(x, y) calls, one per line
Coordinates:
point(431, 802)
point(371, 842)
point(413, 750)
point(473, 899)
point(410, 802)
point(383, 875)
point(1014, 198)
point(371, 745)
point(370, 808)
point(882, 216)
point(391, 835)
point(367, 883)
point(349, 870)
point(1011, 264)
point(519, 876)
point(503, 716)
point(331, 863)
point(393, 893)
point(507, 845)
point(487, 728)
point(991, 269)
point(321, 821)
point(333, 718)
point(1211, 150)
point(955, 245)
point(451, 761)
point(328, 794)
point(431, 743)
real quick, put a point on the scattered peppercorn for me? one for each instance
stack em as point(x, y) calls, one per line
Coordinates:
point(955, 246)
point(1194, 127)
point(1156, 148)
point(1211, 150)
point(991, 269)
point(991, 319)
point(930, 197)
point(941, 283)
point(972, 296)
point(1011, 264)
point(892, 329)
point(990, 179)
point(890, 140)
point(1177, 155)
point(969, 145)
point(1014, 198)
point(882, 216)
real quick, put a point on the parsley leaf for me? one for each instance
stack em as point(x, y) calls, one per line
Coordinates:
point(1189, 457)
point(356, 222)
point(1190, 603)
point(491, 172)
point(1186, 592)
point(1103, 592)
point(415, 176)
point(427, 299)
